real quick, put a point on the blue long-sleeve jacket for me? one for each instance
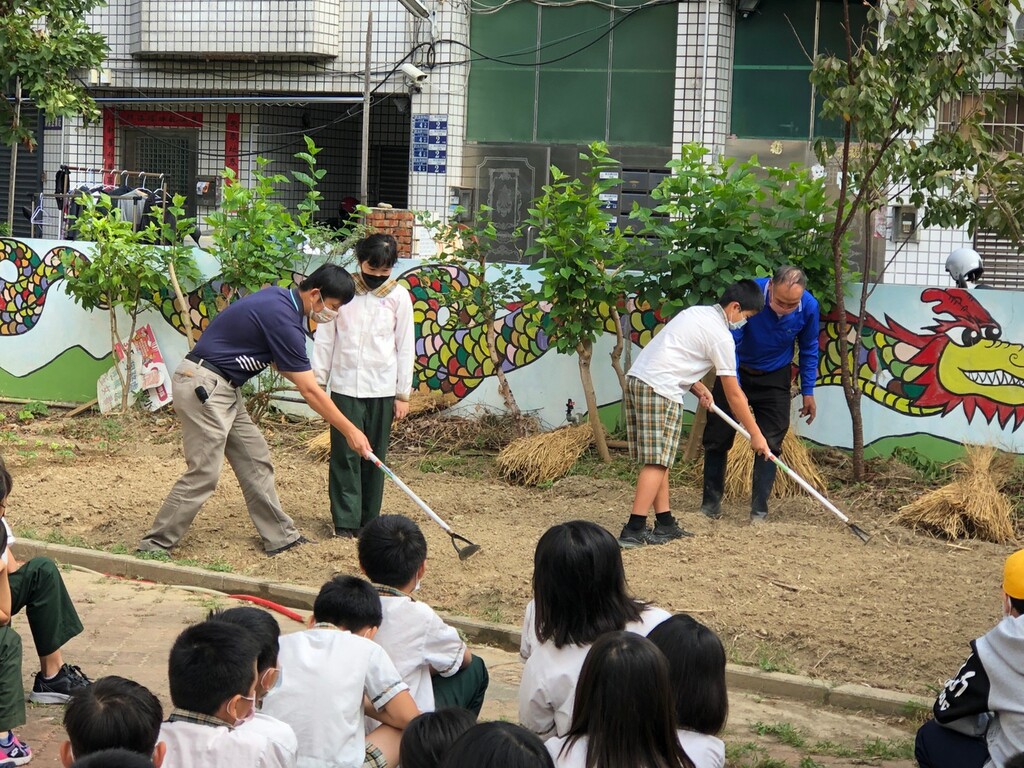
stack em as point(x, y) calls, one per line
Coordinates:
point(766, 342)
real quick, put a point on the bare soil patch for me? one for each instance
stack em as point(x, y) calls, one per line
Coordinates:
point(800, 594)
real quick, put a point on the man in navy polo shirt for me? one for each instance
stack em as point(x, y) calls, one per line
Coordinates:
point(268, 327)
point(764, 350)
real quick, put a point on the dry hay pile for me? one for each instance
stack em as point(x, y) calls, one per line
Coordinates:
point(740, 471)
point(420, 404)
point(544, 457)
point(972, 505)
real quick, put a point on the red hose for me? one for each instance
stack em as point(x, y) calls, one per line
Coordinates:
point(271, 605)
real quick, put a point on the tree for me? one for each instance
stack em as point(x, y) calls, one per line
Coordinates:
point(916, 57)
point(581, 262)
point(716, 223)
point(490, 287)
point(126, 270)
point(43, 45)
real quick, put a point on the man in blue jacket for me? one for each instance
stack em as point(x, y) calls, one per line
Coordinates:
point(764, 351)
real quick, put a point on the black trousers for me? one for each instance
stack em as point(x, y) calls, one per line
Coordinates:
point(938, 747)
point(769, 398)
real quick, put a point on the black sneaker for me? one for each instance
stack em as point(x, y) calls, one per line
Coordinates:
point(670, 532)
point(59, 688)
point(631, 539)
point(289, 545)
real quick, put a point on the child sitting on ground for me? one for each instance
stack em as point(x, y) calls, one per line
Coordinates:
point(433, 660)
point(579, 593)
point(624, 712)
point(696, 670)
point(267, 632)
point(427, 739)
point(113, 713)
point(332, 668)
point(113, 758)
point(498, 745)
point(212, 674)
point(36, 585)
point(13, 751)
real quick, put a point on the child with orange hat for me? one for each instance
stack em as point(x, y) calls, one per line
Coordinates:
point(979, 715)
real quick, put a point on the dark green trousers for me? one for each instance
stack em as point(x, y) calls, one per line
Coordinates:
point(12, 692)
point(38, 588)
point(466, 688)
point(356, 487)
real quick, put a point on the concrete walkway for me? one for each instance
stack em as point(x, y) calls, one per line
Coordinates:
point(129, 628)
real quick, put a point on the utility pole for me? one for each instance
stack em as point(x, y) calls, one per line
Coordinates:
point(364, 167)
point(12, 183)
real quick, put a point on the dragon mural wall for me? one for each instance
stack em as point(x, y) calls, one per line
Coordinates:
point(938, 361)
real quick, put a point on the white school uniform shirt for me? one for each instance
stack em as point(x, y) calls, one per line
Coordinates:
point(692, 342)
point(368, 350)
point(279, 732)
point(201, 745)
point(10, 540)
point(548, 685)
point(321, 693)
point(417, 640)
point(703, 751)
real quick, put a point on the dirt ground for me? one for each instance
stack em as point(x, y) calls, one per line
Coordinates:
point(800, 594)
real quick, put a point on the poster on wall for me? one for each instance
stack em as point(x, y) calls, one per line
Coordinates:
point(149, 374)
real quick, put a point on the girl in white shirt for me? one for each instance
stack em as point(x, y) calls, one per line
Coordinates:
point(579, 593)
point(696, 665)
point(624, 715)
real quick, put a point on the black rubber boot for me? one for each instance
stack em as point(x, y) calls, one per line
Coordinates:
point(714, 483)
point(761, 488)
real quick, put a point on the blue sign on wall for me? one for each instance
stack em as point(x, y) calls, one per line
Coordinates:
point(429, 143)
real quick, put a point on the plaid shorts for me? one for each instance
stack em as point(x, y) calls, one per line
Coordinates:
point(654, 424)
point(374, 757)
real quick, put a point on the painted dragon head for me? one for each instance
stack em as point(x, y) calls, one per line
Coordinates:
point(967, 362)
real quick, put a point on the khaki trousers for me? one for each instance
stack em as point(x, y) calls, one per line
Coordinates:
point(211, 431)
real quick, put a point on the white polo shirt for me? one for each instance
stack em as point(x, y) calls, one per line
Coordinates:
point(201, 745)
point(691, 344)
point(326, 673)
point(418, 641)
point(548, 686)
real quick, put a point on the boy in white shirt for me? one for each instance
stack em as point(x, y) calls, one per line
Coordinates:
point(334, 673)
point(435, 663)
point(212, 675)
point(674, 362)
point(267, 632)
point(366, 355)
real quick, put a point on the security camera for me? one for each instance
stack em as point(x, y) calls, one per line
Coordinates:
point(414, 73)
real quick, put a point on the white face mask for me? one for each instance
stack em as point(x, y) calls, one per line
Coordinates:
point(252, 711)
point(324, 315)
point(736, 325)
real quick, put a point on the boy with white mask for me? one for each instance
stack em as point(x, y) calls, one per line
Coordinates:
point(365, 358)
point(673, 362)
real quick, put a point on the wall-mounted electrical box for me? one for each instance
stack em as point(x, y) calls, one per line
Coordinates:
point(905, 224)
point(461, 197)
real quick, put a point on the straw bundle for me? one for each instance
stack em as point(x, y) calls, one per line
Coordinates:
point(741, 470)
point(972, 506)
point(544, 457)
point(420, 403)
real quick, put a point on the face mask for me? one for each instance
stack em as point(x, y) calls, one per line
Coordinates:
point(252, 711)
point(417, 587)
point(325, 315)
point(373, 282)
point(735, 326)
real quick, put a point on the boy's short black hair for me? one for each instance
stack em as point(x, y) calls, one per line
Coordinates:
point(391, 550)
point(6, 482)
point(348, 602)
point(745, 292)
point(333, 281)
point(427, 739)
point(1017, 603)
point(261, 624)
point(113, 712)
point(209, 663)
point(113, 758)
point(377, 251)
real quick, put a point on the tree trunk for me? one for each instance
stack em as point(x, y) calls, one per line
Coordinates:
point(584, 355)
point(129, 359)
point(183, 308)
point(616, 354)
point(504, 389)
point(700, 420)
point(114, 341)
